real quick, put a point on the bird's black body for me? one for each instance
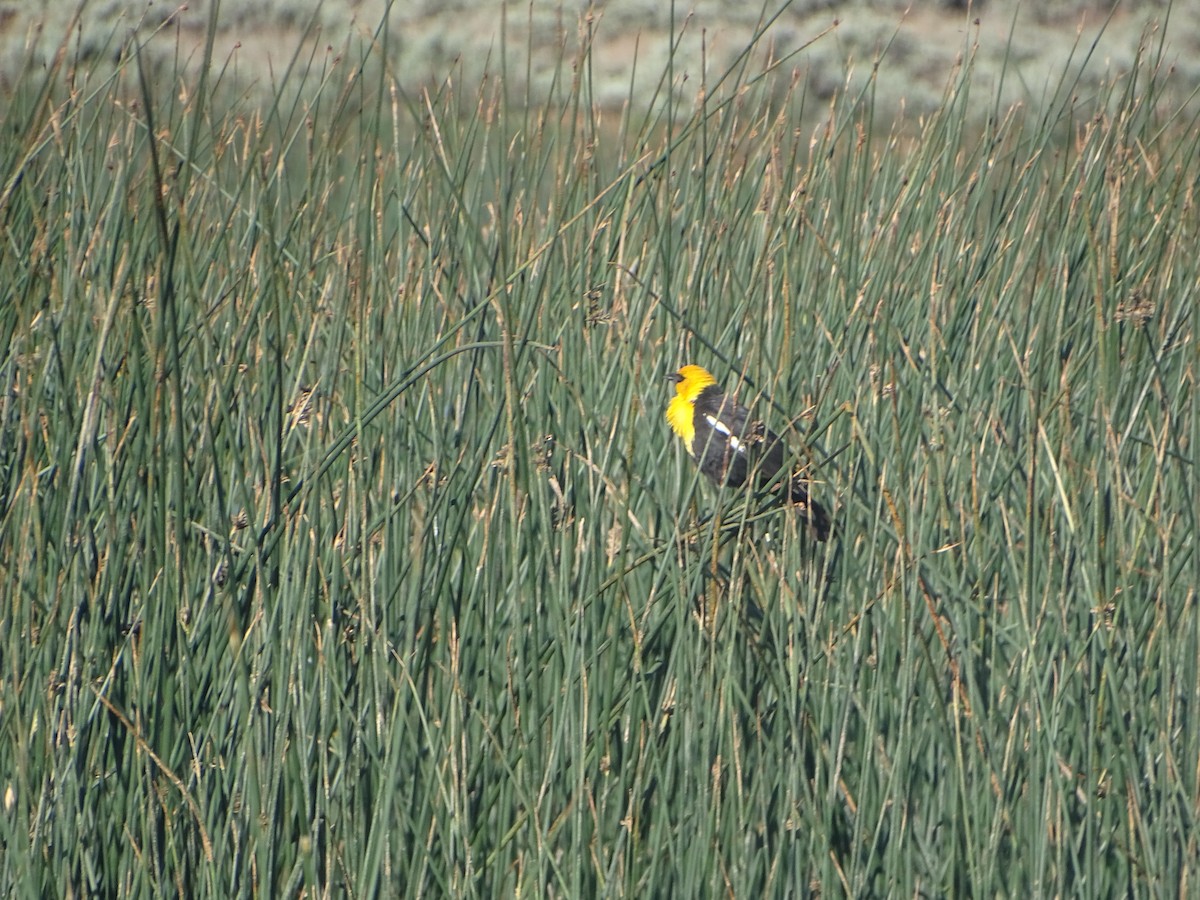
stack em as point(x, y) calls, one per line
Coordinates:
point(730, 446)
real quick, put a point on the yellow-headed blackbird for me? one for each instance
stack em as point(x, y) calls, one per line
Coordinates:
point(729, 445)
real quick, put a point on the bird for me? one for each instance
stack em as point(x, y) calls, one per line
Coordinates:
point(730, 445)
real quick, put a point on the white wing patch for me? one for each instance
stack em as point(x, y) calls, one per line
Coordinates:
point(721, 428)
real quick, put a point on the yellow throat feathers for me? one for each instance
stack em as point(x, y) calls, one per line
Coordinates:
point(689, 382)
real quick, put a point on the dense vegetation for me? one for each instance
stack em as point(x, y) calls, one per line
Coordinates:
point(344, 548)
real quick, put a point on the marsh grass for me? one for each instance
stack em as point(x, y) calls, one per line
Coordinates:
point(345, 550)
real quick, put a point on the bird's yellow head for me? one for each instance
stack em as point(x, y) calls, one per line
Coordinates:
point(689, 382)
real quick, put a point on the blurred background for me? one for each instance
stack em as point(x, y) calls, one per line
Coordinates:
point(431, 41)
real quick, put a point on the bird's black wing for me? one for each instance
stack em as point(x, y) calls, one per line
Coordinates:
point(729, 445)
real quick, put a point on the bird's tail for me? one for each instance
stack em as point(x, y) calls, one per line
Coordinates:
point(812, 511)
